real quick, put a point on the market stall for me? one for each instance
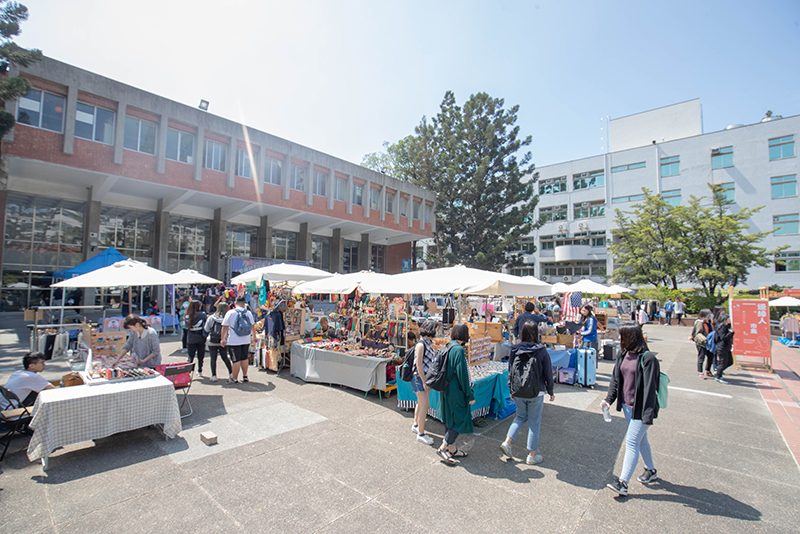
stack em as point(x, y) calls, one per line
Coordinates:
point(339, 362)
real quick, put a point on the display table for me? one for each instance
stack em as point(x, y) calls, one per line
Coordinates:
point(486, 389)
point(81, 413)
point(363, 373)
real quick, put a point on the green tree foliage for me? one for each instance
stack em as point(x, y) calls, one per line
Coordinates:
point(11, 14)
point(468, 156)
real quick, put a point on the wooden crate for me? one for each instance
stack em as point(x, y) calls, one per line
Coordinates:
point(550, 339)
point(482, 329)
point(566, 339)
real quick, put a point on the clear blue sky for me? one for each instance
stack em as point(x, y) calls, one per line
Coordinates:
point(344, 76)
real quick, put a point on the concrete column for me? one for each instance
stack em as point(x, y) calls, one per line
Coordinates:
point(410, 211)
point(350, 189)
point(161, 237)
point(433, 216)
point(397, 207)
point(161, 148)
point(331, 185)
point(310, 184)
point(263, 248)
point(422, 208)
point(91, 230)
point(382, 203)
point(219, 229)
point(119, 132)
point(3, 202)
point(69, 119)
point(286, 172)
point(364, 253)
point(199, 152)
point(233, 156)
point(304, 243)
point(337, 251)
point(366, 198)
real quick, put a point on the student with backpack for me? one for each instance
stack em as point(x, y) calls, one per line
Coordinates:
point(423, 354)
point(213, 327)
point(237, 328)
point(196, 337)
point(723, 339)
point(700, 333)
point(530, 374)
point(457, 396)
point(634, 386)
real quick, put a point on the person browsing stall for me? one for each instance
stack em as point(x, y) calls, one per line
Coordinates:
point(142, 343)
point(455, 401)
point(528, 317)
point(238, 327)
point(27, 384)
point(589, 330)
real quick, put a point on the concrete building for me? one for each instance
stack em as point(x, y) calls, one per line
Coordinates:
point(93, 163)
point(666, 151)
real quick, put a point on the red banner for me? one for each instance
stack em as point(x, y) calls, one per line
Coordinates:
point(750, 319)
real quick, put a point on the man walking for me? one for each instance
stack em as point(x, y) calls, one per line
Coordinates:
point(669, 307)
point(237, 328)
point(679, 310)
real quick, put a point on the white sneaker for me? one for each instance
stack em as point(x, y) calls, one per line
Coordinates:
point(414, 429)
point(198, 374)
point(425, 438)
point(213, 378)
point(184, 350)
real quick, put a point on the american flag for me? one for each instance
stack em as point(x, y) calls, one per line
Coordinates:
point(571, 306)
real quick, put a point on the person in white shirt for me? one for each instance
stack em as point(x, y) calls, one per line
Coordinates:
point(238, 344)
point(27, 384)
point(680, 308)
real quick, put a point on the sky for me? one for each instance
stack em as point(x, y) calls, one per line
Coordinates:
point(343, 76)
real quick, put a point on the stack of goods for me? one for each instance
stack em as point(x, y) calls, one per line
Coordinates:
point(480, 350)
point(117, 374)
point(485, 369)
point(350, 348)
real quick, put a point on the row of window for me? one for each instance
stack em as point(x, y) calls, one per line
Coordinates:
point(582, 210)
point(579, 268)
point(593, 239)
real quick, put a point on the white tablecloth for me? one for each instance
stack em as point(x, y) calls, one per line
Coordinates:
point(81, 413)
point(330, 367)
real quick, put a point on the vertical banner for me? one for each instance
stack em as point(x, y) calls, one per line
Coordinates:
point(750, 320)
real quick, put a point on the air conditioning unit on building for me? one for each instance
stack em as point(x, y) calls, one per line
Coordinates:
point(715, 151)
point(544, 278)
point(584, 204)
point(560, 227)
point(584, 174)
point(584, 277)
point(568, 279)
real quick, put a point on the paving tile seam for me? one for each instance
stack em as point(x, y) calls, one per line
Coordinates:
point(218, 505)
point(715, 466)
point(785, 423)
point(710, 438)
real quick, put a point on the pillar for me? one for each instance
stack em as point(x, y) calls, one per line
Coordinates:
point(161, 237)
point(199, 155)
point(69, 119)
point(337, 251)
point(119, 132)
point(264, 247)
point(349, 194)
point(310, 184)
point(219, 230)
point(233, 157)
point(161, 148)
point(304, 243)
point(364, 253)
point(3, 203)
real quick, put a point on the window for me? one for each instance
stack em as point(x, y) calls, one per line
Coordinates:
point(43, 110)
point(284, 245)
point(784, 186)
point(722, 157)
point(374, 196)
point(670, 166)
point(553, 213)
point(587, 180)
point(598, 268)
point(358, 194)
point(780, 148)
point(320, 184)
point(389, 202)
point(428, 210)
point(527, 245)
point(553, 185)
point(180, 146)
point(417, 205)
point(728, 192)
point(378, 260)
point(243, 164)
point(350, 257)
point(403, 206)
point(629, 198)
point(673, 198)
point(786, 224)
point(215, 156)
point(272, 171)
point(628, 167)
point(297, 179)
point(241, 240)
point(340, 192)
point(188, 243)
point(787, 262)
point(129, 231)
point(140, 136)
point(589, 210)
point(523, 271)
point(95, 124)
point(598, 239)
point(546, 242)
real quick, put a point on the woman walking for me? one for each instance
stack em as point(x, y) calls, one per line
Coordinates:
point(589, 330)
point(530, 356)
point(196, 335)
point(213, 327)
point(723, 338)
point(456, 399)
point(422, 362)
point(634, 384)
point(703, 327)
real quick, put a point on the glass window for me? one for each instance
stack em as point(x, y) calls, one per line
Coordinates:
point(728, 192)
point(350, 256)
point(598, 268)
point(284, 245)
point(180, 146)
point(243, 164)
point(628, 167)
point(340, 191)
point(216, 156)
point(320, 184)
point(670, 166)
point(297, 180)
point(129, 231)
point(546, 242)
point(722, 157)
point(553, 213)
point(782, 147)
point(553, 185)
point(786, 224)
point(403, 206)
point(321, 252)
point(787, 262)
point(188, 244)
point(358, 194)
point(784, 186)
point(589, 210)
point(378, 260)
point(96, 124)
point(42, 110)
point(428, 209)
point(629, 198)
point(241, 240)
point(374, 195)
point(417, 205)
point(389, 202)
point(272, 171)
point(587, 180)
point(673, 198)
point(140, 136)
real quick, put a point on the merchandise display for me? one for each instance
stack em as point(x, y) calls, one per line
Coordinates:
point(480, 350)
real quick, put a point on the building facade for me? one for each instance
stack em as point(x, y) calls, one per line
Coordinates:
point(666, 151)
point(93, 163)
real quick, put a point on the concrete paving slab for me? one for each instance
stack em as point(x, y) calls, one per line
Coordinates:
point(374, 518)
point(25, 504)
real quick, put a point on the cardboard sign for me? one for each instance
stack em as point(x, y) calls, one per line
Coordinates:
point(750, 320)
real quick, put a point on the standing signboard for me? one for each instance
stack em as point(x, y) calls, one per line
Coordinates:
point(751, 341)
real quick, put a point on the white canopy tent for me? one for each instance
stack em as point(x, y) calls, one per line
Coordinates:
point(619, 289)
point(560, 287)
point(190, 276)
point(588, 286)
point(460, 279)
point(281, 272)
point(342, 284)
point(122, 273)
point(785, 301)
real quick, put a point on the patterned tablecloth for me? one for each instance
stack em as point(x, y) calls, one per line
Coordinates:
point(81, 413)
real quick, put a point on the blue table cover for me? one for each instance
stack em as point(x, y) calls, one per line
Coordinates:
point(487, 389)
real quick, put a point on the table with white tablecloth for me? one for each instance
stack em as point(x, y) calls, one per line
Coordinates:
point(363, 373)
point(64, 416)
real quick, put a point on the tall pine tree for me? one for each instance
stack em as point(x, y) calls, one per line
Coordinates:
point(11, 14)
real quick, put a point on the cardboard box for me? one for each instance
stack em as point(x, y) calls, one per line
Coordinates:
point(566, 340)
point(30, 315)
point(482, 329)
point(550, 339)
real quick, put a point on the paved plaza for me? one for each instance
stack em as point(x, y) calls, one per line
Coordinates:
point(300, 458)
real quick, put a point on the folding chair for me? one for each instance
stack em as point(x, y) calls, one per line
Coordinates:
point(13, 420)
point(180, 374)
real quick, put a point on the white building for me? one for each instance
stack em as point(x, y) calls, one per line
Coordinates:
point(666, 151)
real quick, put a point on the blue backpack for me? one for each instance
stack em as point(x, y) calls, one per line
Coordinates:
point(242, 325)
point(711, 343)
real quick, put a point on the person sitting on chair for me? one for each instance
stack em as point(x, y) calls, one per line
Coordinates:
point(27, 384)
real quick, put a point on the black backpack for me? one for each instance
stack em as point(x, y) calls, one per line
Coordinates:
point(436, 377)
point(216, 332)
point(407, 369)
point(524, 377)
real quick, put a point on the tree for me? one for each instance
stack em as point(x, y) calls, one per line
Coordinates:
point(648, 244)
point(11, 14)
point(468, 156)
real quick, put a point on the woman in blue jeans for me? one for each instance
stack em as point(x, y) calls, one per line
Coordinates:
point(422, 361)
point(529, 409)
point(634, 385)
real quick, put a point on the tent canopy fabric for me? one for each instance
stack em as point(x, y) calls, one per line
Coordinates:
point(464, 280)
point(785, 301)
point(108, 257)
point(560, 287)
point(619, 289)
point(122, 273)
point(190, 276)
point(281, 272)
point(588, 286)
point(342, 284)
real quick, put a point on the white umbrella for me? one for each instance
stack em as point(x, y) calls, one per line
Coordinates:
point(342, 284)
point(588, 286)
point(21, 285)
point(122, 273)
point(279, 272)
point(190, 276)
point(785, 301)
point(465, 280)
point(560, 287)
point(619, 289)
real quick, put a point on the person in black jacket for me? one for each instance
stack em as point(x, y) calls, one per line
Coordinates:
point(528, 317)
point(724, 340)
point(634, 385)
point(528, 409)
point(196, 335)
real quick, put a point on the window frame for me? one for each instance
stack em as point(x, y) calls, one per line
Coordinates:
point(139, 136)
point(780, 143)
point(94, 123)
point(42, 94)
point(629, 166)
point(179, 146)
point(320, 188)
point(783, 184)
point(666, 196)
point(270, 176)
point(294, 179)
point(724, 191)
point(389, 206)
point(668, 163)
point(374, 199)
point(590, 209)
point(787, 257)
point(243, 164)
point(223, 155)
point(553, 183)
point(629, 198)
point(358, 194)
point(720, 162)
point(340, 190)
point(553, 210)
point(792, 218)
point(586, 181)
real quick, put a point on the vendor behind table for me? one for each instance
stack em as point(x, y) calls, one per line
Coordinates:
point(142, 343)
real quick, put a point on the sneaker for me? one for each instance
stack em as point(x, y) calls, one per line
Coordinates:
point(184, 350)
point(198, 375)
point(425, 438)
point(245, 379)
point(534, 460)
point(702, 375)
point(414, 428)
point(506, 448)
point(709, 374)
point(213, 378)
point(231, 380)
point(619, 486)
point(721, 380)
point(648, 476)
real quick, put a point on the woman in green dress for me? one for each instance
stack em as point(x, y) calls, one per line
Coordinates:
point(456, 399)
